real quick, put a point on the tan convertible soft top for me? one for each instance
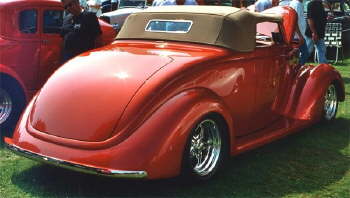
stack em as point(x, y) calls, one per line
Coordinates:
point(229, 27)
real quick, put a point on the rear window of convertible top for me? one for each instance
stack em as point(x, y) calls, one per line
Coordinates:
point(169, 26)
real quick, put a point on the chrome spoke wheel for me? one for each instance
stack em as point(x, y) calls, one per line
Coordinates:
point(5, 105)
point(330, 103)
point(205, 147)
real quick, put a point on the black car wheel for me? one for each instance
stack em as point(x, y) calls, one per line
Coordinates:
point(12, 102)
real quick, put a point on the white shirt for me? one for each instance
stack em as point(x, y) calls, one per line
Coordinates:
point(262, 5)
point(299, 9)
point(284, 2)
point(163, 2)
point(190, 2)
point(83, 3)
point(95, 2)
point(172, 2)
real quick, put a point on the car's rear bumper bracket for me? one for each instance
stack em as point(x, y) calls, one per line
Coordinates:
point(78, 167)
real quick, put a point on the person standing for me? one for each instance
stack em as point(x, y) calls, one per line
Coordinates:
point(79, 30)
point(114, 4)
point(261, 5)
point(189, 2)
point(163, 2)
point(106, 6)
point(173, 2)
point(95, 7)
point(315, 32)
point(298, 6)
point(284, 2)
point(83, 4)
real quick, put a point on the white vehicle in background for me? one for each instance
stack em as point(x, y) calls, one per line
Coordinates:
point(125, 7)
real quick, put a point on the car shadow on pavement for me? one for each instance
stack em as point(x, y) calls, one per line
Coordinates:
point(301, 163)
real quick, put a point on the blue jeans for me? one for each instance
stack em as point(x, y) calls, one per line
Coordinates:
point(304, 53)
point(320, 49)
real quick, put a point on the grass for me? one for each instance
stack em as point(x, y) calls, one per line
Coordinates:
point(314, 163)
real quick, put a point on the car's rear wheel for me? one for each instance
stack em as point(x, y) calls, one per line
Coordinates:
point(5, 105)
point(330, 106)
point(205, 149)
point(12, 102)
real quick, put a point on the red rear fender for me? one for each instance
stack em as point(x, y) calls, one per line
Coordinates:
point(306, 98)
point(163, 135)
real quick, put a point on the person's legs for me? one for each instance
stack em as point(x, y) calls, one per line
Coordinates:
point(304, 54)
point(321, 51)
point(65, 56)
point(310, 44)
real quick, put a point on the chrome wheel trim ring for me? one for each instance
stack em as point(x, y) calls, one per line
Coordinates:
point(205, 147)
point(5, 105)
point(330, 103)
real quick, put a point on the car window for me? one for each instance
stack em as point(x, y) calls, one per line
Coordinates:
point(52, 21)
point(28, 21)
point(169, 26)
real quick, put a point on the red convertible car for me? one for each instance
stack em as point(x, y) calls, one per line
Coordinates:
point(30, 50)
point(181, 88)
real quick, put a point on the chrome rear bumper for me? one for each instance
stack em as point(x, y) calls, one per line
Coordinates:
point(78, 167)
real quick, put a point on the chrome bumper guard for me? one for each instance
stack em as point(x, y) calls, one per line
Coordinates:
point(78, 167)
